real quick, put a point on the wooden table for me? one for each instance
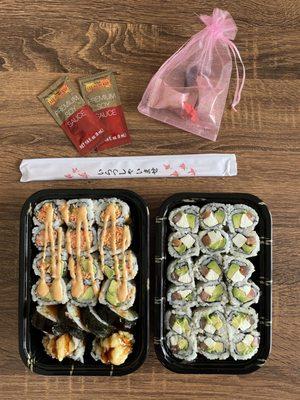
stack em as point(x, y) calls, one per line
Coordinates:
point(40, 41)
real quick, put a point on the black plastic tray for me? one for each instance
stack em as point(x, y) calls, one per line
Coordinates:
point(262, 277)
point(30, 347)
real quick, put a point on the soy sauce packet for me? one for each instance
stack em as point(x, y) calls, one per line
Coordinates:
point(63, 101)
point(101, 93)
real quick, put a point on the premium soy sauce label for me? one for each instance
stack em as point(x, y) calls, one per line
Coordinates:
point(70, 111)
point(100, 92)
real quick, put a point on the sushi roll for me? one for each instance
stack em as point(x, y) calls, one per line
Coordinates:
point(181, 296)
point(70, 321)
point(214, 241)
point(208, 268)
point(45, 318)
point(39, 236)
point(245, 345)
point(114, 316)
point(213, 347)
point(210, 320)
point(83, 295)
point(72, 240)
point(182, 347)
point(46, 293)
point(182, 245)
point(89, 268)
point(185, 219)
point(119, 294)
point(213, 215)
point(237, 269)
point(39, 264)
point(243, 294)
point(179, 322)
point(72, 209)
point(121, 209)
point(96, 323)
point(246, 245)
point(41, 209)
point(242, 219)
point(180, 272)
point(211, 293)
point(64, 346)
point(114, 239)
point(131, 264)
point(114, 349)
point(241, 320)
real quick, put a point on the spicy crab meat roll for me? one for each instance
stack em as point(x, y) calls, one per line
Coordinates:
point(210, 320)
point(246, 245)
point(118, 293)
point(180, 272)
point(245, 345)
point(78, 211)
point(211, 293)
point(49, 292)
point(213, 347)
point(242, 219)
point(104, 212)
point(127, 259)
point(208, 268)
point(185, 219)
point(114, 239)
point(40, 237)
point(182, 347)
point(213, 215)
point(86, 239)
point(237, 269)
point(243, 293)
point(39, 264)
point(42, 209)
point(183, 245)
point(60, 347)
point(214, 241)
point(89, 269)
point(181, 296)
point(241, 320)
point(179, 322)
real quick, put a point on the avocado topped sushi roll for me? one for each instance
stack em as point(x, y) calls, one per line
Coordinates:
point(72, 209)
point(210, 320)
point(211, 293)
point(128, 258)
point(122, 211)
point(181, 296)
point(119, 294)
point(243, 293)
point(180, 272)
point(213, 215)
point(241, 320)
point(242, 219)
point(214, 241)
point(41, 209)
point(213, 347)
point(185, 219)
point(237, 269)
point(246, 245)
point(208, 268)
point(179, 322)
point(182, 347)
point(181, 245)
point(245, 345)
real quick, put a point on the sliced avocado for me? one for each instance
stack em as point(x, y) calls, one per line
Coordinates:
point(239, 295)
point(177, 326)
point(243, 349)
point(218, 291)
point(191, 220)
point(214, 266)
point(220, 215)
point(247, 249)
point(218, 245)
point(237, 320)
point(218, 347)
point(216, 321)
point(48, 297)
point(185, 326)
point(181, 270)
point(189, 297)
point(183, 344)
point(112, 293)
point(232, 270)
point(109, 272)
point(88, 294)
point(236, 219)
point(180, 249)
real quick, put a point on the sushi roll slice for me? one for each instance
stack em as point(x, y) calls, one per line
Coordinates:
point(39, 264)
point(214, 241)
point(208, 268)
point(70, 211)
point(180, 272)
point(45, 318)
point(246, 245)
point(181, 296)
point(70, 321)
point(185, 219)
point(237, 269)
point(213, 215)
point(241, 320)
point(119, 294)
point(42, 292)
point(89, 268)
point(40, 212)
point(179, 322)
point(72, 240)
point(96, 323)
point(210, 321)
point(243, 294)
point(39, 237)
point(131, 264)
point(183, 245)
point(213, 347)
point(114, 240)
point(64, 346)
point(242, 219)
point(122, 211)
point(245, 345)
point(114, 316)
point(114, 349)
point(86, 296)
point(182, 347)
point(211, 293)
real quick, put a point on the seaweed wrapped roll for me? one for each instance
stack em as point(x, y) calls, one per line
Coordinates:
point(243, 293)
point(245, 345)
point(213, 215)
point(182, 347)
point(246, 245)
point(185, 219)
point(242, 219)
point(237, 269)
point(214, 241)
point(182, 245)
point(208, 268)
point(180, 272)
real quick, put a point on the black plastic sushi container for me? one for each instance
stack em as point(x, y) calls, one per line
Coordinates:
point(262, 277)
point(30, 339)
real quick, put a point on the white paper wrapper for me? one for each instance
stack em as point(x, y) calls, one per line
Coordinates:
point(41, 169)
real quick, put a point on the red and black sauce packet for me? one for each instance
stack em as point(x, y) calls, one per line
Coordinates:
point(101, 93)
point(76, 118)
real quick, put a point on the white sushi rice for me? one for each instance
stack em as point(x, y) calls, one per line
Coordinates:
point(245, 337)
point(209, 340)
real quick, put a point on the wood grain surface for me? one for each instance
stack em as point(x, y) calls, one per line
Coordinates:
point(40, 41)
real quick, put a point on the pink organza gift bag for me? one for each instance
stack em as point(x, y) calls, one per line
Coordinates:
point(189, 90)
